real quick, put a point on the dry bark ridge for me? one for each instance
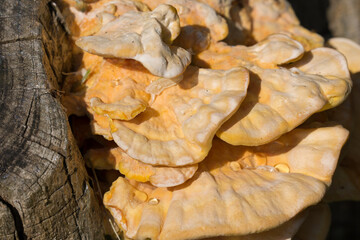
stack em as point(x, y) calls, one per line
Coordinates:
point(44, 190)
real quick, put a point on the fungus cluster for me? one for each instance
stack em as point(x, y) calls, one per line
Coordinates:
point(219, 115)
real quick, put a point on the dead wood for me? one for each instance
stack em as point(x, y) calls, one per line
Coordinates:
point(44, 188)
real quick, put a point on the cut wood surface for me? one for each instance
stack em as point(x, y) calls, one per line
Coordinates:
point(44, 188)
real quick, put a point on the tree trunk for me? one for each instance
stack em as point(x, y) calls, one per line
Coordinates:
point(44, 189)
point(344, 19)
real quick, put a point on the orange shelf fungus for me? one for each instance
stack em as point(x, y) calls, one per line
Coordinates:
point(218, 201)
point(212, 140)
point(142, 36)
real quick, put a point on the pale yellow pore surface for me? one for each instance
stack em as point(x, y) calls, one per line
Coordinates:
point(115, 158)
point(279, 100)
point(275, 50)
point(224, 200)
point(179, 126)
point(95, 15)
point(142, 36)
point(274, 16)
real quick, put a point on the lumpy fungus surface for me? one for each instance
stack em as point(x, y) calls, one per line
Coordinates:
point(211, 139)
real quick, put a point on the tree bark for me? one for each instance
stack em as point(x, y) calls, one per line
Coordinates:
point(344, 19)
point(44, 189)
point(8, 229)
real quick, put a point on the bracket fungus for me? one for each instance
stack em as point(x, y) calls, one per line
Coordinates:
point(197, 13)
point(87, 22)
point(178, 128)
point(118, 89)
point(219, 201)
point(209, 149)
point(200, 23)
point(142, 36)
point(279, 100)
point(350, 49)
point(194, 38)
point(275, 50)
point(346, 179)
point(115, 88)
point(221, 6)
point(274, 16)
point(312, 223)
point(115, 158)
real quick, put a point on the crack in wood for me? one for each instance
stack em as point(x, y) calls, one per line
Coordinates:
point(19, 40)
point(29, 114)
point(17, 219)
point(72, 190)
point(38, 155)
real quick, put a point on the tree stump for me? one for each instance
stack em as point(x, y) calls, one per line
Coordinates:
point(44, 188)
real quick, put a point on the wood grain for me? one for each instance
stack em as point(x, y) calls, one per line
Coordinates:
point(44, 188)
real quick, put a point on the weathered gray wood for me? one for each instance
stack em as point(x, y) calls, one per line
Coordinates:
point(344, 19)
point(8, 229)
point(44, 190)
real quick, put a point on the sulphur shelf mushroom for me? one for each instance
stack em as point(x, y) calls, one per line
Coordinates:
point(200, 24)
point(273, 16)
point(346, 179)
point(115, 158)
point(312, 223)
point(192, 12)
point(275, 50)
point(280, 99)
point(143, 36)
point(118, 89)
point(240, 191)
point(178, 128)
point(115, 89)
point(221, 6)
point(206, 136)
point(97, 14)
